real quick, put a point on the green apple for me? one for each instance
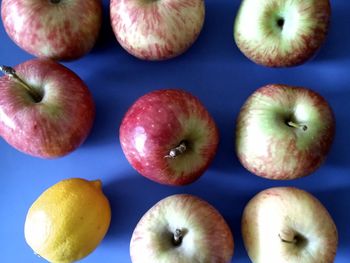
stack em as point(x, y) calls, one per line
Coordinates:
point(285, 224)
point(281, 33)
point(284, 132)
point(182, 228)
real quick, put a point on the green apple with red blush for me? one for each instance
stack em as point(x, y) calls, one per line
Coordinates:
point(284, 132)
point(287, 224)
point(281, 33)
point(182, 228)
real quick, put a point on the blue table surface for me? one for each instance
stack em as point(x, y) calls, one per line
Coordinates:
point(215, 71)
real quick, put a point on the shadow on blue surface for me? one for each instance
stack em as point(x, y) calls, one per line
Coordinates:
point(338, 40)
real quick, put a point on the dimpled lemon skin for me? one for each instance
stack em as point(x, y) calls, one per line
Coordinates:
point(68, 221)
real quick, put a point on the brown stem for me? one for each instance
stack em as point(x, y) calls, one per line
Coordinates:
point(290, 239)
point(11, 72)
point(178, 150)
point(178, 235)
point(297, 125)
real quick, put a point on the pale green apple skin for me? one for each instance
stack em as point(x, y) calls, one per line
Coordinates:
point(207, 237)
point(268, 147)
point(281, 214)
point(260, 35)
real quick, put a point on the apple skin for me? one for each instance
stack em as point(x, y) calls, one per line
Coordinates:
point(286, 224)
point(281, 33)
point(206, 235)
point(56, 125)
point(55, 29)
point(157, 29)
point(267, 146)
point(158, 122)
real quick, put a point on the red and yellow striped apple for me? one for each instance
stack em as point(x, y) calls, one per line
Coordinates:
point(157, 29)
point(46, 110)
point(284, 132)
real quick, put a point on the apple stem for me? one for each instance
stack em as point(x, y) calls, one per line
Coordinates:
point(296, 125)
point(288, 239)
point(178, 150)
point(11, 72)
point(178, 235)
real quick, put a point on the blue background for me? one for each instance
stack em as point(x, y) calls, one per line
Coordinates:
point(215, 71)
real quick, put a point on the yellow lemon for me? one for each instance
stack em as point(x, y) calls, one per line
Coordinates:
point(68, 220)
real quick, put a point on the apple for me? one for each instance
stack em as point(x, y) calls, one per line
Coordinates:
point(46, 110)
point(286, 224)
point(157, 29)
point(169, 137)
point(55, 29)
point(284, 132)
point(281, 33)
point(181, 228)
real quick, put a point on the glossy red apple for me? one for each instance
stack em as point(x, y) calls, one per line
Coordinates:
point(284, 132)
point(281, 33)
point(46, 110)
point(182, 228)
point(169, 137)
point(55, 29)
point(157, 29)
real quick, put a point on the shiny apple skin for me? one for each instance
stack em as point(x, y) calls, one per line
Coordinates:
point(65, 30)
point(56, 125)
point(268, 147)
point(207, 237)
point(262, 38)
point(288, 225)
point(159, 121)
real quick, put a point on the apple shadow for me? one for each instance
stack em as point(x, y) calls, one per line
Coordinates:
point(215, 42)
point(226, 159)
point(132, 195)
point(106, 40)
point(339, 155)
point(338, 39)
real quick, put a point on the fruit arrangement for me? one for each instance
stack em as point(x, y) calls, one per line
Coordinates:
point(92, 111)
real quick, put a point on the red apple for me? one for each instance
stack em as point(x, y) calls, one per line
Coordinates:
point(157, 29)
point(56, 29)
point(284, 132)
point(169, 137)
point(182, 228)
point(46, 110)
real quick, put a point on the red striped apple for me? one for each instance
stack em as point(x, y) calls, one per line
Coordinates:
point(285, 224)
point(281, 33)
point(182, 228)
point(55, 29)
point(46, 110)
point(284, 132)
point(169, 137)
point(157, 29)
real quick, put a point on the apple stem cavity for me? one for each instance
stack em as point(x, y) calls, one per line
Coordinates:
point(297, 125)
point(178, 150)
point(288, 239)
point(11, 72)
point(55, 1)
point(280, 22)
point(177, 238)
